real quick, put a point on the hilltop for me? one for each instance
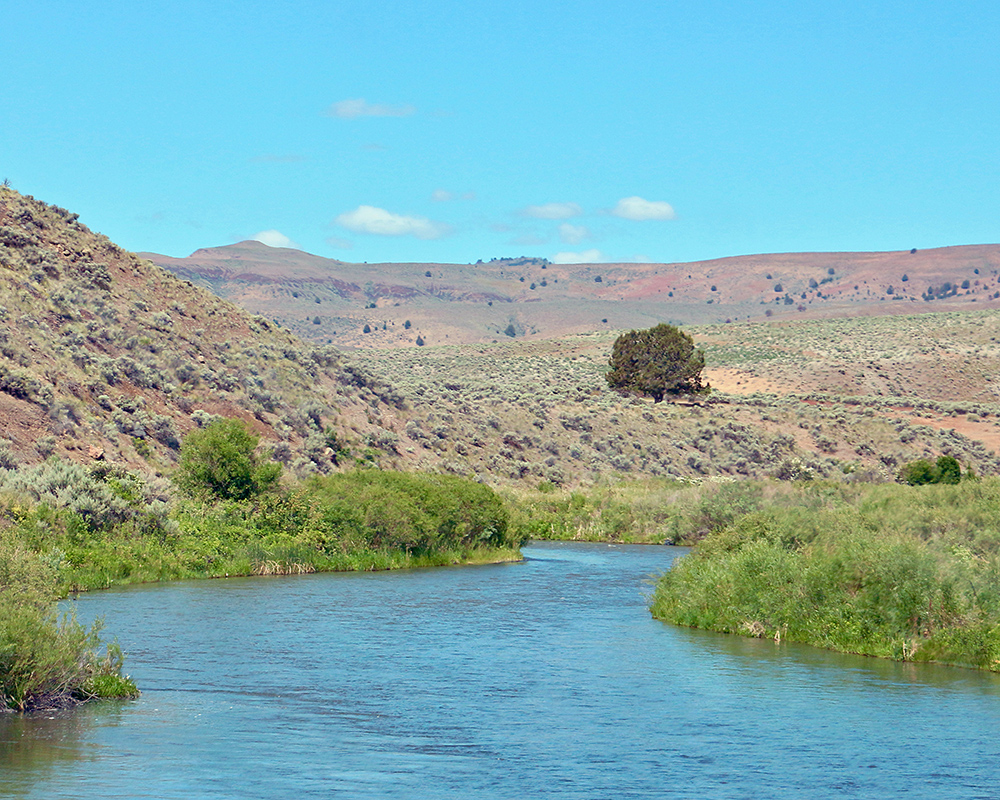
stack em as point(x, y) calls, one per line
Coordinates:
point(332, 301)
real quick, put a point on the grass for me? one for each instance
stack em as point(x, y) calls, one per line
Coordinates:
point(65, 528)
point(901, 572)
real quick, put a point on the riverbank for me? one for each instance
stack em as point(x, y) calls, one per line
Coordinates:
point(640, 511)
point(908, 573)
point(69, 529)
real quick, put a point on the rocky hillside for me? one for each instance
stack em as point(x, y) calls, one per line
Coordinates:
point(105, 355)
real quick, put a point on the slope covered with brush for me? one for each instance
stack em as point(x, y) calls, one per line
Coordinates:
point(105, 355)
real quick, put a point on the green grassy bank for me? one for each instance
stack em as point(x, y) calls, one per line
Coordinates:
point(901, 572)
point(67, 528)
point(644, 511)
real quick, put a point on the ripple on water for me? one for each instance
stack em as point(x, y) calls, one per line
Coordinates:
point(541, 679)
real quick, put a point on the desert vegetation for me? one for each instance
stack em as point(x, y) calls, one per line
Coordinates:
point(541, 411)
point(105, 356)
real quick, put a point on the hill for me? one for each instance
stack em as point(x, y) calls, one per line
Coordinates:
point(104, 355)
point(333, 301)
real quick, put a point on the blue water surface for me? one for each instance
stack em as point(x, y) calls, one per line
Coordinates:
point(546, 678)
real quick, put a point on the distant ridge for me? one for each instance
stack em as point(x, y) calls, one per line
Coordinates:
point(332, 301)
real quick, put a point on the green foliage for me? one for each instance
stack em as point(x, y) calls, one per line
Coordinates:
point(44, 660)
point(412, 512)
point(218, 461)
point(921, 472)
point(656, 362)
point(889, 570)
point(91, 499)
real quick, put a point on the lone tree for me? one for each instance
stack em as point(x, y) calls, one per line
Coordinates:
point(656, 362)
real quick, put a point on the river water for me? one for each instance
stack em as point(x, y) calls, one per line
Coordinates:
point(547, 678)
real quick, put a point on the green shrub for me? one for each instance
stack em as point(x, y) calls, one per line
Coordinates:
point(97, 498)
point(219, 461)
point(412, 512)
point(921, 472)
point(44, 660)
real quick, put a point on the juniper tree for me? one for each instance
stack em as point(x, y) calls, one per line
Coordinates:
point(656, 362)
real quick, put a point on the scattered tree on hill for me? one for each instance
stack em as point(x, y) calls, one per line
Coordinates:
point(509, 330)
point(922, 472)
point(218, 461)
point(420, 341)
point(656, 362)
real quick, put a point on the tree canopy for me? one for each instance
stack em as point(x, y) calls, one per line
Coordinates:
point(656, 362)
point(921, 472)
point(219, 461)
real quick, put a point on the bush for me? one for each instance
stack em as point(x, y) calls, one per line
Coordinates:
point(218, 461)
point(97, 498)
point(411, 512)
point(45, 661)
point(922, 472)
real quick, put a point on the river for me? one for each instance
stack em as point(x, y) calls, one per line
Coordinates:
point(546, 678)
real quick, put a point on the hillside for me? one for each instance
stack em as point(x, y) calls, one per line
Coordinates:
point(332, 301)
point(103, 355)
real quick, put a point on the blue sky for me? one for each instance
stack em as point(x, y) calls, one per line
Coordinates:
point(447, 131)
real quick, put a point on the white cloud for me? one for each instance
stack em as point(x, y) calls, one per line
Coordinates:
point(641, 210)
point(273, 238)
point(352, 109)
point(573, 234)
point(592, 256)
point(554, 211)
point(369, 219)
